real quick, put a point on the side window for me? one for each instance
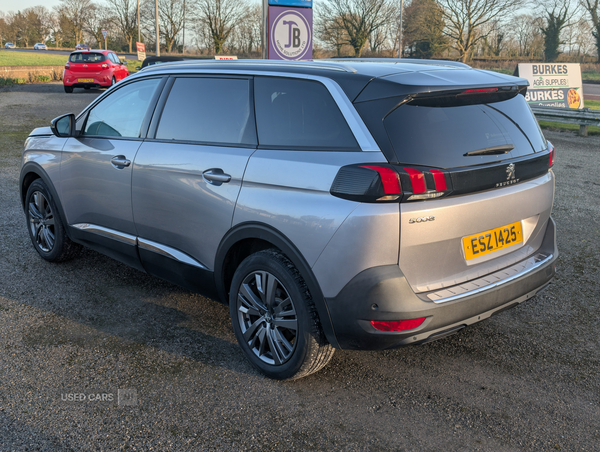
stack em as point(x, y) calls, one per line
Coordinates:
point(121, 114)
point(295, 113)
point(208, 110)
point(114, 58)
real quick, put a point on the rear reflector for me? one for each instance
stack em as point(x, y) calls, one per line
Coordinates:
point(551, 147)
point(397, 325)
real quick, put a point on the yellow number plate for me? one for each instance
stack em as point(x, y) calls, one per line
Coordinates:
point(85, 80)
point(493, 240)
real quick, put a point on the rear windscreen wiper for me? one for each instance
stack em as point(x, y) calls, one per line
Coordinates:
point(494, 150)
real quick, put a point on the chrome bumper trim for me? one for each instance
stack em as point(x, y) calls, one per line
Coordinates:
point(490, 281)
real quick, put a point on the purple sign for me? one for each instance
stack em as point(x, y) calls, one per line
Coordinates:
point(290, 33)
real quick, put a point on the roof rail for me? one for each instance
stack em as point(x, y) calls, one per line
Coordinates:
point(404, 60)
point(310, 64)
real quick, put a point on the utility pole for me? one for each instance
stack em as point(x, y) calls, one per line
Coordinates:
point(400, 33)
point(139, 32)
point(157, 32)
point(183, 47)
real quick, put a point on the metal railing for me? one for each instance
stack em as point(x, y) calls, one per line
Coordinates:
point(583, 117)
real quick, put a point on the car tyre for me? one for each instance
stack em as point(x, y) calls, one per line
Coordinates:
point(46, 230)
point(113, 81)
point(68, 89)
point(274, 318)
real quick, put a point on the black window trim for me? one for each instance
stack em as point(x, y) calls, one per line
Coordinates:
point(152, 130)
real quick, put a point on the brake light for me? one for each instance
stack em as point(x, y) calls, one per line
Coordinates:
point(67, 66)
point(478, 91)
point(439, 179)
point(389, 178)
point(552, 154)
point(397, 325)
point(417, 179)
point(104, 66)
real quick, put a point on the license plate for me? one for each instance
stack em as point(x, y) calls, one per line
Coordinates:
point(493, 240)
point(85, 80)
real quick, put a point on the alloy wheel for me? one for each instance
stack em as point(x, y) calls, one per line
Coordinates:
point(41, 222)
point(267, 317)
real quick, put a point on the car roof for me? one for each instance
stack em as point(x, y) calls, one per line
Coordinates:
point(361, 79)
point(104, 52)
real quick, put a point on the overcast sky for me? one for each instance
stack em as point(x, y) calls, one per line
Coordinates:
point(19, 5)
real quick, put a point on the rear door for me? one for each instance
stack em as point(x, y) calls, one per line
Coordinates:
point(187, 178)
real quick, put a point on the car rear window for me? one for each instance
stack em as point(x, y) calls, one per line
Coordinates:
point(441, 136)
point(87, 57)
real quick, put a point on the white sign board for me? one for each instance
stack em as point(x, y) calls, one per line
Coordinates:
point(104, 33)
point(553, 84)
point(225, 57)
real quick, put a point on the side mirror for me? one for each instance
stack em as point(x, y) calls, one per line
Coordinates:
point(63, 126)
point(124, 62)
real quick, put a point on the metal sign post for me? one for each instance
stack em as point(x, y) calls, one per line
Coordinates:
point(105, 34)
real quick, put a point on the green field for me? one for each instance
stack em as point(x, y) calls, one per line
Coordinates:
point(43, 59)
point(31, 59)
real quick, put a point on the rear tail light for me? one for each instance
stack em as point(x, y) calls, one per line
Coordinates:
point(67, 66)
point(105, 65)
point(552, 154)
point(381, 183)
point(397, 325)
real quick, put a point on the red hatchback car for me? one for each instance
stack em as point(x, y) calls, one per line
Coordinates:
point(93, 69)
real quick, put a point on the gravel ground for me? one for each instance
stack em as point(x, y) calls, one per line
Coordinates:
point(527, 379)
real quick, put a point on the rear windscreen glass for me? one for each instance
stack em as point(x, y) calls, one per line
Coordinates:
point(441, 136)
point(87, 57)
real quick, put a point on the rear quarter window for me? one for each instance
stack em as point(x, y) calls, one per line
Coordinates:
point(299, 114)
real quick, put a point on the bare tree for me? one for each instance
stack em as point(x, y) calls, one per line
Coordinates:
point(592, 7)
point(73, 16)
point(125, 17)
point(525, 29)
point(464, 19)
point(557, 15)
point(246, 36)
point(170, 15)
point(355, 20)
point(332, 34)
point(219, 18)
point(100, 18)
point(424, 29)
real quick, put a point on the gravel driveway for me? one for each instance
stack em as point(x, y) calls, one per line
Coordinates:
point(97, 356)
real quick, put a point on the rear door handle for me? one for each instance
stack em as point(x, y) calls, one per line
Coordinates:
point(120, 162)
point(216, 176)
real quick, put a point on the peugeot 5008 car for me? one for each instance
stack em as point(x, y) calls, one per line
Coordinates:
point(93, 69)
point(332, 204)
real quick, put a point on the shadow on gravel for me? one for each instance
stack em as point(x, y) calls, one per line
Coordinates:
point(105, 305)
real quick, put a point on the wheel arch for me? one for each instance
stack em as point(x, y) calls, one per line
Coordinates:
point(248, 238)
point(31, 172)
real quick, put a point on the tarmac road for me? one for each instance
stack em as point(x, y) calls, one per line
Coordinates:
point(73, 335)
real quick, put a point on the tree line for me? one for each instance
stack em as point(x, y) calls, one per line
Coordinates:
point(457, 29)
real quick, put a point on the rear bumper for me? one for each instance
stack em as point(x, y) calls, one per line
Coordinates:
point(98, 80)
point(382, 293)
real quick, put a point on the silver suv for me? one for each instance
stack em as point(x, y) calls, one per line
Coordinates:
point(332, 204)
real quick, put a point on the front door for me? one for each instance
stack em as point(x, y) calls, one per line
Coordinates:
point(96, 170)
